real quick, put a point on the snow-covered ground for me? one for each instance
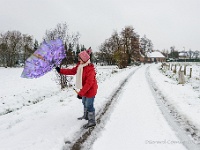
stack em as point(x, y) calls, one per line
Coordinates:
point(42, 115)
point(36, 114)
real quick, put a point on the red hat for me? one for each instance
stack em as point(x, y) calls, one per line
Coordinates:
point(84, 56)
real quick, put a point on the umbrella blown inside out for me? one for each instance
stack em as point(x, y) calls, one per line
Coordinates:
point(50, 54)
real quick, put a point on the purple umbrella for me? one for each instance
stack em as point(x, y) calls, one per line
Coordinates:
point(44, 59)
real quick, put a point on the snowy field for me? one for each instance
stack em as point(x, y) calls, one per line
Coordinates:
point(37, 114)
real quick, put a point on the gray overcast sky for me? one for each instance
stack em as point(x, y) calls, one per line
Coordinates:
point(165, 22)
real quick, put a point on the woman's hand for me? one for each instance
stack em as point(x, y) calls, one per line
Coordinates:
point(58, 69)
point(79, 97)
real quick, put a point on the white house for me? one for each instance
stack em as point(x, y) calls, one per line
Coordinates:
point(155, 57)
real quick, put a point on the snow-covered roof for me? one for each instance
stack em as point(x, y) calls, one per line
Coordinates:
point(155, 55)
point(182, 54)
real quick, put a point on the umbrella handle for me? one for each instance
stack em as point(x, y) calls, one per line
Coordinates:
point(75, 90)
point(39, 56)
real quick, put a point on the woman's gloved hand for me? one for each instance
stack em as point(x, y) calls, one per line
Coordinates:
point(58, 69)
point(79, 97)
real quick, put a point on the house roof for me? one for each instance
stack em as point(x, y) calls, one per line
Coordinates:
point(182, 54)
point(155, 55)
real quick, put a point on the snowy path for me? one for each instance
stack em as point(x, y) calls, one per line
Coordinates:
point(136, 122)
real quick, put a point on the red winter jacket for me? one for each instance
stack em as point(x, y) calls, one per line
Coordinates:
point(89, 81)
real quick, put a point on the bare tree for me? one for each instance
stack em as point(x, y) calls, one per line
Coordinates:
point(196, 54)
point(60, 31)
point(165, 53)
point(11, 43)
point(130, 40)
point(69, 41)
point(191, 54)
point(121, 48)
point(146, 46)
point(27, 45)
point(135, 48)
point(3, 49)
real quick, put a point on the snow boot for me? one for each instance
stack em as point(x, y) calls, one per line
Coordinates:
point(85, 115)
point(91, 120)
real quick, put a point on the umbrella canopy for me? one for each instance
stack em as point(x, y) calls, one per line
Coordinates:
point(49, 54)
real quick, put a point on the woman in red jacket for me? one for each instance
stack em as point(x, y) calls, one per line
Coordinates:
point(87, 83)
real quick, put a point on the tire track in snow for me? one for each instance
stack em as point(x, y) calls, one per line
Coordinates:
point(179, 125)
point(100, 121)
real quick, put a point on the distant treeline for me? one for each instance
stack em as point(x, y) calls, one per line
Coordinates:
point(121, 48)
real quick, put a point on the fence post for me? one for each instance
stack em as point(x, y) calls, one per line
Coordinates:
point(185, 70)
point(175, 69)
point(181, 77)
point(190, 72)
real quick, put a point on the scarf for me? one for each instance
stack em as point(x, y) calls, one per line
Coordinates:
point(79, 74)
